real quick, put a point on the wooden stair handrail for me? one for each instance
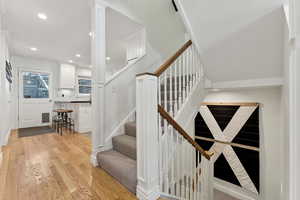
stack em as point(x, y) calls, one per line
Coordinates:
point(169, 62)
point(182, 132)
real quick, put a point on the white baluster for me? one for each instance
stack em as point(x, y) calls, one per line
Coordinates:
point(180, 169)
point(198, 175)
point(184, 76)
point(176, 89)
point(177, 164)
point(189, 69)
point(172, 162)
point(167, 156)
point(165, 91)
point(171, 91)
point(193, 65)
point(160, 137)
point(190, 172)
point(180, 80)
point(186, 170)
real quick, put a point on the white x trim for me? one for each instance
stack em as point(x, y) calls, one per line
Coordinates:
point(232, 129)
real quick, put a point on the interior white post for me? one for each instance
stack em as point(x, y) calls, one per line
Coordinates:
point(147, 138)
point(294, 102)
point(206, 179)
point(98, 55)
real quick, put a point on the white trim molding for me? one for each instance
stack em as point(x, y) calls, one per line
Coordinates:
point(294, 126)
point(233, 190)
point(98, 58)
point(251, 83)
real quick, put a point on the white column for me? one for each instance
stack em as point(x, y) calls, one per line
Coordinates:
point(207, 175)
point(147, 138)
point(294, 102)
point(98, 50)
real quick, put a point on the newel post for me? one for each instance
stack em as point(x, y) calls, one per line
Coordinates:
point(147, 138)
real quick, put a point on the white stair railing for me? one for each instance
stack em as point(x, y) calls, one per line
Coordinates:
point(185, 170)
point(168, 159)
point(178, 77)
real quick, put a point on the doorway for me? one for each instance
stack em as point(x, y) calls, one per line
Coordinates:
point(35, 98)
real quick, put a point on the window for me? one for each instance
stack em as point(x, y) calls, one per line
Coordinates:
point(84, 85)
point(35, 85)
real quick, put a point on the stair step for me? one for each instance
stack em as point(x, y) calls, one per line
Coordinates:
point(126, 145)
point(121, 167)
point(130, 129)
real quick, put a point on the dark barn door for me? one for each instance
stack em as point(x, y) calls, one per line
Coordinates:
point(247, 136)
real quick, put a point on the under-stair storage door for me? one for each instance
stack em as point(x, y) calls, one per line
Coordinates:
point(232, 132)
point(35, 103)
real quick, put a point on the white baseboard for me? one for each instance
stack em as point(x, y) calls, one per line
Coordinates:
point(234, 190)
point(93, 160)
point(1, 155)
point(142, 194)
point(6, 138)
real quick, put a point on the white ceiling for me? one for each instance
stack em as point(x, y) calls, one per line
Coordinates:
point(64, 34)
point(239, 39)
point(253, 52)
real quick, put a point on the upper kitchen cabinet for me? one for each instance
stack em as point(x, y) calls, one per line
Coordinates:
point(67, 76)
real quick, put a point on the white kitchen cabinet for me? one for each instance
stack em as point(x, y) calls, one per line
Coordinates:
point(83, 122)
point(67, 76)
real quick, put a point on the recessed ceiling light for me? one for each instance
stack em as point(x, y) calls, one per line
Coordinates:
point(215, 90)
point(107, 58)
point(90, 34)
point(78, 55)
point(70, 61)
point(33, 49)
point(42, 16)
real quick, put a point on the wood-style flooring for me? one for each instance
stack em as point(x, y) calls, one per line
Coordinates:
point(54, 167)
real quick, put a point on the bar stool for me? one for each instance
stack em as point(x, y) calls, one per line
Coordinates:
point(63, 120)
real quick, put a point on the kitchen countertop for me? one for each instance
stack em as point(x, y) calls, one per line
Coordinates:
point(78, 100)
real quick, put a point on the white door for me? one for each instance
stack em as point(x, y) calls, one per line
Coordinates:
point(35, 103)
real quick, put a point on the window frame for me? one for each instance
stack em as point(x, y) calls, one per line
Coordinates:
point(21, 88)
point(78, 85)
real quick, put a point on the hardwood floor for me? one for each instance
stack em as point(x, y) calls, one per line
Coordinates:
point(54, 167)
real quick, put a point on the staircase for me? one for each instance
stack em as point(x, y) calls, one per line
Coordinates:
point(176, 156)
point(120, 162)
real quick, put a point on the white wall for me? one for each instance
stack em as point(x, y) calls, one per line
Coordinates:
point(271, 135)
point(120, 93)
point(253, 52)
point(164, 28)
point(5, 95)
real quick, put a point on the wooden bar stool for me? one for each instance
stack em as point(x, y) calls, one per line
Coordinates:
point(63, 120)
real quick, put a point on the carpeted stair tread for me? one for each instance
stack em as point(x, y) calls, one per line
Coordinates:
point(119, 166)
point(130, 129)
point(126, 145)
